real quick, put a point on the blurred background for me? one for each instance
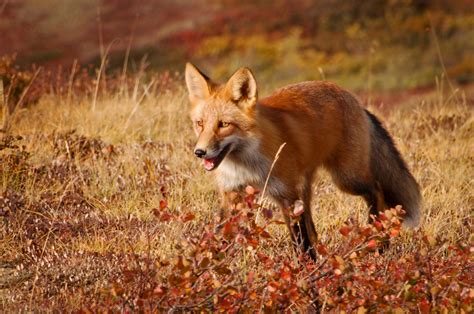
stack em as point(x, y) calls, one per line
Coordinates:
point(383, 45)
point(103, 203)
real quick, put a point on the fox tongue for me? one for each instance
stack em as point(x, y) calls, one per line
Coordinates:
point(209, 163)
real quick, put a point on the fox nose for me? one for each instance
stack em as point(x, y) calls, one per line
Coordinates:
point(199, 152)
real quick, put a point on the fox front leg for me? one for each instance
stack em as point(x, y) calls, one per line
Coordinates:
point(300, 226)
point(229, 201)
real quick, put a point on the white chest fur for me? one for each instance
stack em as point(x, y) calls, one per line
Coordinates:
point(233, 175)
point(247, 166)
point(244, 166)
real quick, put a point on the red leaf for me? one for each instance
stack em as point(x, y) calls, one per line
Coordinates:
point(163, 204)
point(228, 230)
point(345, 231)
point(372, 244)
point(273, 286)
point(285, 275)
point(382, 216)
point(187, 217)
point(267, 261)
point(367, 231)
point(165, 217)
point(424, 306)
point(394, 233)
point(322, 250)
point(252, 242)
point(249, 200)
point(378, 225)
point(262, 257)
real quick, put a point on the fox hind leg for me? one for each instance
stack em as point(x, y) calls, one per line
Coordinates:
point(375, 201)
point(358, 181)
point(310, 235)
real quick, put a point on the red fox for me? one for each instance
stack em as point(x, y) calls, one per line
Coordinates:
point(322, 125)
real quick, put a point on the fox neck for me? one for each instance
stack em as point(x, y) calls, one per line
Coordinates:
point(247, 165)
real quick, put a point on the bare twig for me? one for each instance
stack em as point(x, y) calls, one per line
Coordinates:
point(101, 70)
point(25, 91)
point(71, 81)
point(277, 155)
point(262, 196)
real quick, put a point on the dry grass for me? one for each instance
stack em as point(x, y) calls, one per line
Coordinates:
point(77, 204)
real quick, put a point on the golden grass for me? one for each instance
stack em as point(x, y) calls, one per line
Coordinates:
point(152, 148)
point(435, 139)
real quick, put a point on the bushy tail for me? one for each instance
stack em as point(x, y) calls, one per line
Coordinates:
point(398, 185)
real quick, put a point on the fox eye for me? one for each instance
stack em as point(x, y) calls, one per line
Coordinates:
point(223, 124)
point(199, 123)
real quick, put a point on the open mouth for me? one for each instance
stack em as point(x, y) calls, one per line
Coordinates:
point(213, 163)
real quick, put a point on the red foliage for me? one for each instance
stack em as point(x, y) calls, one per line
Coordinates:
point(207, 273)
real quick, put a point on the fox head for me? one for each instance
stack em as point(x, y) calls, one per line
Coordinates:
point(223, 115)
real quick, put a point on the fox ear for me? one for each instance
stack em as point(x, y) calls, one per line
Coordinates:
point(242, 88)
point(197, 82)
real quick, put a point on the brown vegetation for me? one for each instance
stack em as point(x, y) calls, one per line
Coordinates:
point(105, 208)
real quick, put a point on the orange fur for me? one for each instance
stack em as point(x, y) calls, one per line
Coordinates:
point(322, 126)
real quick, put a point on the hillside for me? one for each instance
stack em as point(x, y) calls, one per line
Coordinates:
point(381, 45)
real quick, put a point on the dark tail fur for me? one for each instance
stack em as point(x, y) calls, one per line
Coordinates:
point(390, 171)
